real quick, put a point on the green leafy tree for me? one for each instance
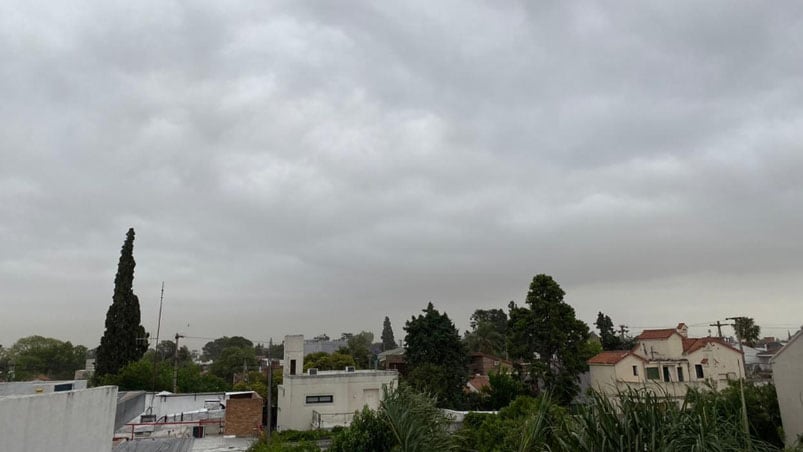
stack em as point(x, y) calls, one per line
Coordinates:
point(233, 360)
point(368, 432)
point(503, 389)
point(325, 361)
point(488, 330)
point(747, 330)
point(436, 357)
point(359, 346)
point(607, 335)
point(147, 375)
point(388, 341)
point(551, 338)
point(35, 356)
point(166, 351)
point(124, 340)
point(213, 349)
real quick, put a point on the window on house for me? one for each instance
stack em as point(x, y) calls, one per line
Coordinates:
point(635, 371)
point(667, 375)
point(62, 387)
point(292, 367)
point(698, 368)
point(320, 399)
point(680, 374)
point(652, 373)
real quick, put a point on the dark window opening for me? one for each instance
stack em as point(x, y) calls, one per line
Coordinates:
point(698, 368)
point(635, 371)
point(667, 376)
point(292, 367)
point(680, 374)
point(652, 373)
point(320, 399)
point(62, 387)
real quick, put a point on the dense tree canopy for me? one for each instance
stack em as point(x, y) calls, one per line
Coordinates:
point(359, 347)
point(325, 361)
point(166, 351)
point(141, 376)
point(388, 341)
point(234, 360)
point(746, 329)
point(36, 356)
point(124, 340)
point(213, 349)
point(436, 357)
point(607, 334)
point(488, 330)
point(549, 336)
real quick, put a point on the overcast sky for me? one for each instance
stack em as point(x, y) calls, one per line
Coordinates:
point(309, 167)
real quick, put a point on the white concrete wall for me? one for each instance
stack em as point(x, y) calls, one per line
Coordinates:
point(293, 351)
point(36, 387)
point(351, 391)
point(660, 348)
point(73, 421)
point(787, 368)
point(722, 364)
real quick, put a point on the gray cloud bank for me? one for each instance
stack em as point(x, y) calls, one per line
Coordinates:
point(308, 167)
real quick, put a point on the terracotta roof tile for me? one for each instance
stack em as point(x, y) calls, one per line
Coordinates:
point(609, 357)
point(692, 345)
point(657, 334)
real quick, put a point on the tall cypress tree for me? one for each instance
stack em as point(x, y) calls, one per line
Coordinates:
point(124, 340)
point(388, 341)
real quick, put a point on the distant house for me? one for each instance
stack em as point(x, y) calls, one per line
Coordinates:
point(325, 399)
point(393, 359)
point(483, 364)
point(480, 365)
point(667, 361)
point(787, 367)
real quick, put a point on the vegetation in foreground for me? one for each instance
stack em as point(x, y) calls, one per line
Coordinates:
point(705, 421)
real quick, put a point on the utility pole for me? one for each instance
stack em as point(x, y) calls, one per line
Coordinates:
point(745, 421)
point(622, 330)
point(270, 389)
point(175, 366)
point(719, 326)
point(156, 345)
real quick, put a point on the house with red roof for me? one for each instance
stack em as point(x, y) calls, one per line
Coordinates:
point(668, 362)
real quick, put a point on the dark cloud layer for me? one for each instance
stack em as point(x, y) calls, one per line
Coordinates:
point(304, 167)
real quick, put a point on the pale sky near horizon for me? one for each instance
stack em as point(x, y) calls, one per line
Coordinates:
point(311, 167)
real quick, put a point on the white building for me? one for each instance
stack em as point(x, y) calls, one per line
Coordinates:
point(787, 367)
point(324, 399)
point(669, 362)
point(77, 420)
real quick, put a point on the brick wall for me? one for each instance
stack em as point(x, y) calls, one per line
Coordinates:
point(243, 416)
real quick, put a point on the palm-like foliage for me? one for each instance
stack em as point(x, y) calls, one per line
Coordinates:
point(417, 425)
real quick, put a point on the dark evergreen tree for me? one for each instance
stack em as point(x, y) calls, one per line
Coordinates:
point(124, 340)
point(488, 330)
point(388, 341)
point(436, 357)
point(607, 335)
point(551, 338)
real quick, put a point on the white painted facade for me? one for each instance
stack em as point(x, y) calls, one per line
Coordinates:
point(327, 398)
point(81, 420)
point(39, 387)
point(667, 362)
point(787, 368)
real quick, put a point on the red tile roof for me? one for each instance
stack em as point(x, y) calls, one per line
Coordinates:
point(477, 382)
point(692, 345)
point(610, 357)
point(657, 334)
